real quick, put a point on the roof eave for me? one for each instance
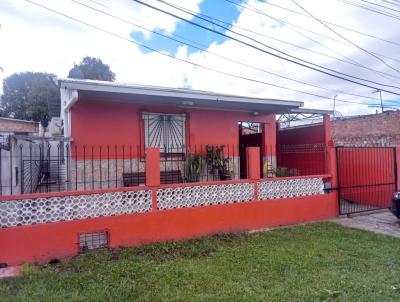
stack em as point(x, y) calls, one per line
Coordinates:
point(111, 87)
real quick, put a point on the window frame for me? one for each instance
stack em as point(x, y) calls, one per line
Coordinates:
point(170, 120)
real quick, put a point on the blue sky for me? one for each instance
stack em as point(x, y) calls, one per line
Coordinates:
point(219, 9)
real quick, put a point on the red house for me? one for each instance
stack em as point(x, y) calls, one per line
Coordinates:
point(143, 164)
point(106, 120)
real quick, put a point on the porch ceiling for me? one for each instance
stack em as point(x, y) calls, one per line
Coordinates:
point(183, 98)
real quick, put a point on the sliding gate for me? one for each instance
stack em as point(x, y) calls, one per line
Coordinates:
point(366, 178)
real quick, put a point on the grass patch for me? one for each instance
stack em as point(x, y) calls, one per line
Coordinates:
point(315, 262)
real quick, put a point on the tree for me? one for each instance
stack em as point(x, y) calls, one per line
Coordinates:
point(92, 69)
point(26, 96)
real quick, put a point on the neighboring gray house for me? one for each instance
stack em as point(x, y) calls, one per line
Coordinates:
point(17, 145)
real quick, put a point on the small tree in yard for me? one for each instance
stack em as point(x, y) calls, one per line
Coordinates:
point(92, 69)
point(26, 96)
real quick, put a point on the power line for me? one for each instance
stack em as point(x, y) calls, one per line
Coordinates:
point(365, 7)
point(288, 43)
point(391, 3)
point(196, 15)
point(379, 5)
point(331, 23)
point(212, 53)
point(275, 55)
point(176, 58)
point(344, 38)
point(291, 26)
point(349, 60)
point(251, 8)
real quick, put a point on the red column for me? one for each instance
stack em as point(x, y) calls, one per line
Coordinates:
point(153, 173)
point(327, 128)
point(152, 167)
point(331, 163)
point(253, 163)
point(330, 157)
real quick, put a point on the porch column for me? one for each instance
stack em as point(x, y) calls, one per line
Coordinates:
point(253, 163)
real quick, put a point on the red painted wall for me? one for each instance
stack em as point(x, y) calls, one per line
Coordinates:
point(312, 134)
point(302, 149)
point(117, 123)
point(361, 169)
point(41, 243)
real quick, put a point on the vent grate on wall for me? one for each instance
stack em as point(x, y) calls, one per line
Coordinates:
point(93, 241)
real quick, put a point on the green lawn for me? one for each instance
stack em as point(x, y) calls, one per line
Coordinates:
point(315, 262)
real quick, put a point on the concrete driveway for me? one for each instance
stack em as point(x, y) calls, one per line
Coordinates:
point(383, 222)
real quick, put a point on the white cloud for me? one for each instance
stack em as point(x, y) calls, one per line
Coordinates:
point(34, 39)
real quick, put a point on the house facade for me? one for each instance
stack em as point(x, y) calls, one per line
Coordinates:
point(110, 125)
point(144, 164)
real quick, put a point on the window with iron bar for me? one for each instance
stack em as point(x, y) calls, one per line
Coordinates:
point(166, 131)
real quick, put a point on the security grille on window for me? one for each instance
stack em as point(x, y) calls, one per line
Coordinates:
point(166, 131)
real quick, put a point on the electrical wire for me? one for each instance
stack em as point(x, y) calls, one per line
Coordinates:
point(236, 61)
point(379, 5)
point(333, 24)
point(345, 38)
point(285, 42)
point(175, 58)
point(275, 55)
point(365, 7)
point(391, 3)
point(291, 25)
point(349, 60)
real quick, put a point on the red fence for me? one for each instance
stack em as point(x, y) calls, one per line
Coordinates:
point(39, 167)
point(366, 178)
point(302, 150)
point(302, 159)
point(41, 227)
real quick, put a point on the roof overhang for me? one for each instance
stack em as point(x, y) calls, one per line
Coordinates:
point(154, 95)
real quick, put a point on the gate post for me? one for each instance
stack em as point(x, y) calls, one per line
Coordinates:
point(331, 163)
point(330, 151)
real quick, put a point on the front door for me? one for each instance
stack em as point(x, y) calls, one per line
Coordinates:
point(250, 135)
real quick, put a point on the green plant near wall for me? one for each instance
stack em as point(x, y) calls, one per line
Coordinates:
point(193, 167)
point(217, 163)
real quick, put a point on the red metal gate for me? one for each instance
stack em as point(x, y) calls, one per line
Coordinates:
point(366, 178)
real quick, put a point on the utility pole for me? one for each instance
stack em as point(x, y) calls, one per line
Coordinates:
point(334, 105)
point(380, 95)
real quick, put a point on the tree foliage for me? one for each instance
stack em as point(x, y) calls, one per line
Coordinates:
point(92, 69)
point(26, 96)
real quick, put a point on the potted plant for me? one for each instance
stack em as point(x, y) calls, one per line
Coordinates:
point(217, 162)
point(193, 167)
